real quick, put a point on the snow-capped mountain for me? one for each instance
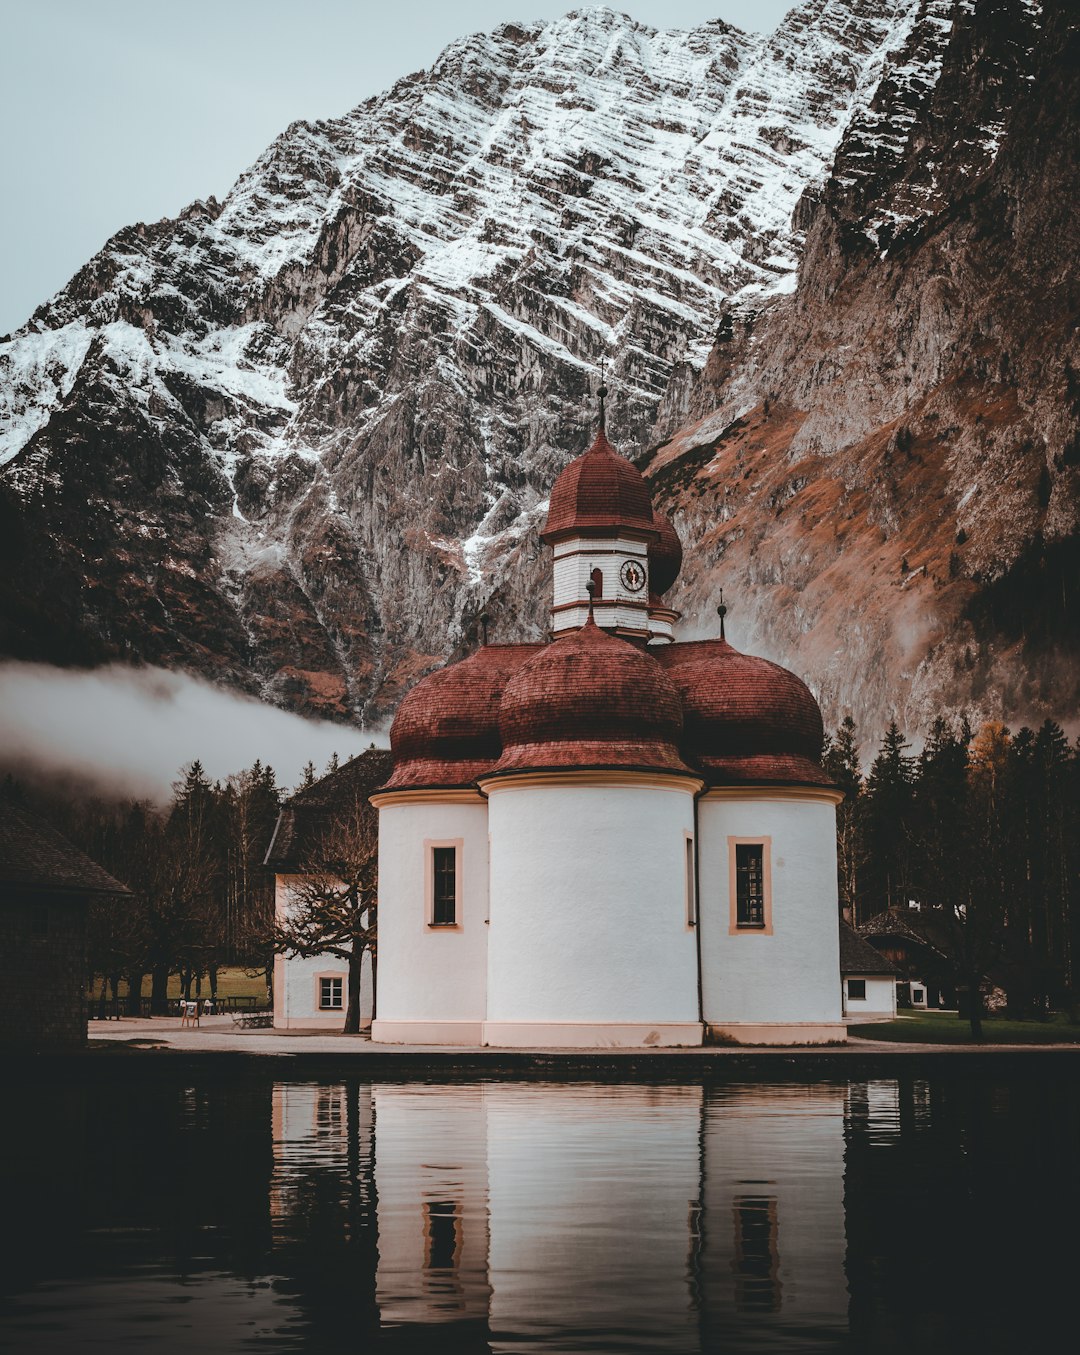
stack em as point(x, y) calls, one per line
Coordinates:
point(299, 439)
point(883, 468)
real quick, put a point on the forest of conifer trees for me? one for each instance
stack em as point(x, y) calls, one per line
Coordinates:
point(202, 898)
point(980, 830)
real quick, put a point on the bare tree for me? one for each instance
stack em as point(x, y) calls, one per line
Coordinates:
point(334, 905)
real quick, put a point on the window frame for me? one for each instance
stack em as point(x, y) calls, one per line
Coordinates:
point(430, 846)
point(735, 927)
point(690, 895)
point(320, 979)
point(856, 997)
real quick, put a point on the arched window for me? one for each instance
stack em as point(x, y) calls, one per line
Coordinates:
point(597, 577)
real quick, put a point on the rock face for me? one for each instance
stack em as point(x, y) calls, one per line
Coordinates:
point(882, 468)
point(298, 440)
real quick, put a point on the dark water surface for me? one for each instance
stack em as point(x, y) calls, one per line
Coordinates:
point(156, 1212)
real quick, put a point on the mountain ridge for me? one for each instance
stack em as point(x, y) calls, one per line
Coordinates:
point(297, 440)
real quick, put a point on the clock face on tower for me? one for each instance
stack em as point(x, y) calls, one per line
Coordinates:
point(632, 576)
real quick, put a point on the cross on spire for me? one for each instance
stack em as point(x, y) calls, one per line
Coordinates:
point(602, 393)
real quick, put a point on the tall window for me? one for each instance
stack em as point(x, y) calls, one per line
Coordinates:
point(444, 884)
point(750, 884)
point(330, 995)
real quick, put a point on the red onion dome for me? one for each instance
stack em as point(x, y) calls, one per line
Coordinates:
point(746, 721)
point(446, 731)
point(665, 555)
point(599, 492)
point(590, 700)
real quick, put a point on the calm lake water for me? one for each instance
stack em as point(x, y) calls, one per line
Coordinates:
point(153, 1212)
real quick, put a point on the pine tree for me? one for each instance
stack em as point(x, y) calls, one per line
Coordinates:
point(885, 824)
point(841, 761)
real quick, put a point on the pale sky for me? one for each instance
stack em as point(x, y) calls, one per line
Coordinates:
point(118, 111)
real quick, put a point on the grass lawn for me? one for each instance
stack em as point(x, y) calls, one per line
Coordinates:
point(941, 1028)
point(232, 982)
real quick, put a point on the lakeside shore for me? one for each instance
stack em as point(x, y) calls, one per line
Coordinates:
point(216, 1045)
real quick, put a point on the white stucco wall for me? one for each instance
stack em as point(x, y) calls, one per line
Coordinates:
point(296, 988)
point(431, 974)
point(792, 975)
point(588, 914)
point(880, 1000)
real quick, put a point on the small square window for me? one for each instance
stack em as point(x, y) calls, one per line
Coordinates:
point(856, 990)
point(330, 995)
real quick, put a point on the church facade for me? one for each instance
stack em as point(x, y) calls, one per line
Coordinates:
point(612, 839)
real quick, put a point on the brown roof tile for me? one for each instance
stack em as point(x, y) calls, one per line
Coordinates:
point(34, 856)
point(599, 491)
point(305, 818)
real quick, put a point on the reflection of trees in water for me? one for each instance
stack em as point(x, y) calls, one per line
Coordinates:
point(154, 1165)
point(961, 1195)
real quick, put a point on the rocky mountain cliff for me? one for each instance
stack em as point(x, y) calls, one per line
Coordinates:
point(296, 441)
point(882, 468)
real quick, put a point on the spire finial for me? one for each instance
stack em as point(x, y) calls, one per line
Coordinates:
point(721, 612)
point(484, 619)
point(602, 393)
point(590, 588)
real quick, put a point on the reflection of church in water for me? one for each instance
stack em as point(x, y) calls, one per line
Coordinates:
point(644, 1218)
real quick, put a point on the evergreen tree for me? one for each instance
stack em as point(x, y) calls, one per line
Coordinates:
point(885, 824)
point(841, 760)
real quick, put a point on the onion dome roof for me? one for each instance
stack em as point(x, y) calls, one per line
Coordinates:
point(599, 492)
point(747, 721)
point(590, 700)
point(446, 731)
point(665, 555)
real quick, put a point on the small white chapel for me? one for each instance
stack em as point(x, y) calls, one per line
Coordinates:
point(612, 839)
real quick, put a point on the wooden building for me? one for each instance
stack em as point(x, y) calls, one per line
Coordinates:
point(46, 887)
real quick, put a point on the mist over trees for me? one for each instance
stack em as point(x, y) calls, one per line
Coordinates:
point(981, 831)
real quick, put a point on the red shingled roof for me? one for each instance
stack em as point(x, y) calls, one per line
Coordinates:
point(665, 556)
point(747, 721)
point(599, 491)
point(446, 731)
point(590, 700)
point(593, 700)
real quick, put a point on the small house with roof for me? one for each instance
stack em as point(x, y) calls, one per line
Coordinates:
point(311, 991)
point(46, 887)
point(614, 838)
point(868, 978)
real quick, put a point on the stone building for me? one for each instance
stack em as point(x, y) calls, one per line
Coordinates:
point(46, 886)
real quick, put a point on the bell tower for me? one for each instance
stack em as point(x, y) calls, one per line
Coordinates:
point(600, 526)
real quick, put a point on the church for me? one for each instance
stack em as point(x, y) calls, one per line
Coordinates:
point(614, 839)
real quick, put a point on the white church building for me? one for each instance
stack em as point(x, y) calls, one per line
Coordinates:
point(612, 839)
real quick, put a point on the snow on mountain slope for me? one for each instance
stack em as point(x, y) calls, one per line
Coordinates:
point(882, 469)
point(297, 440)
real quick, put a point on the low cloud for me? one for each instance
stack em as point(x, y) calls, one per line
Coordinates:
point(127, 731)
